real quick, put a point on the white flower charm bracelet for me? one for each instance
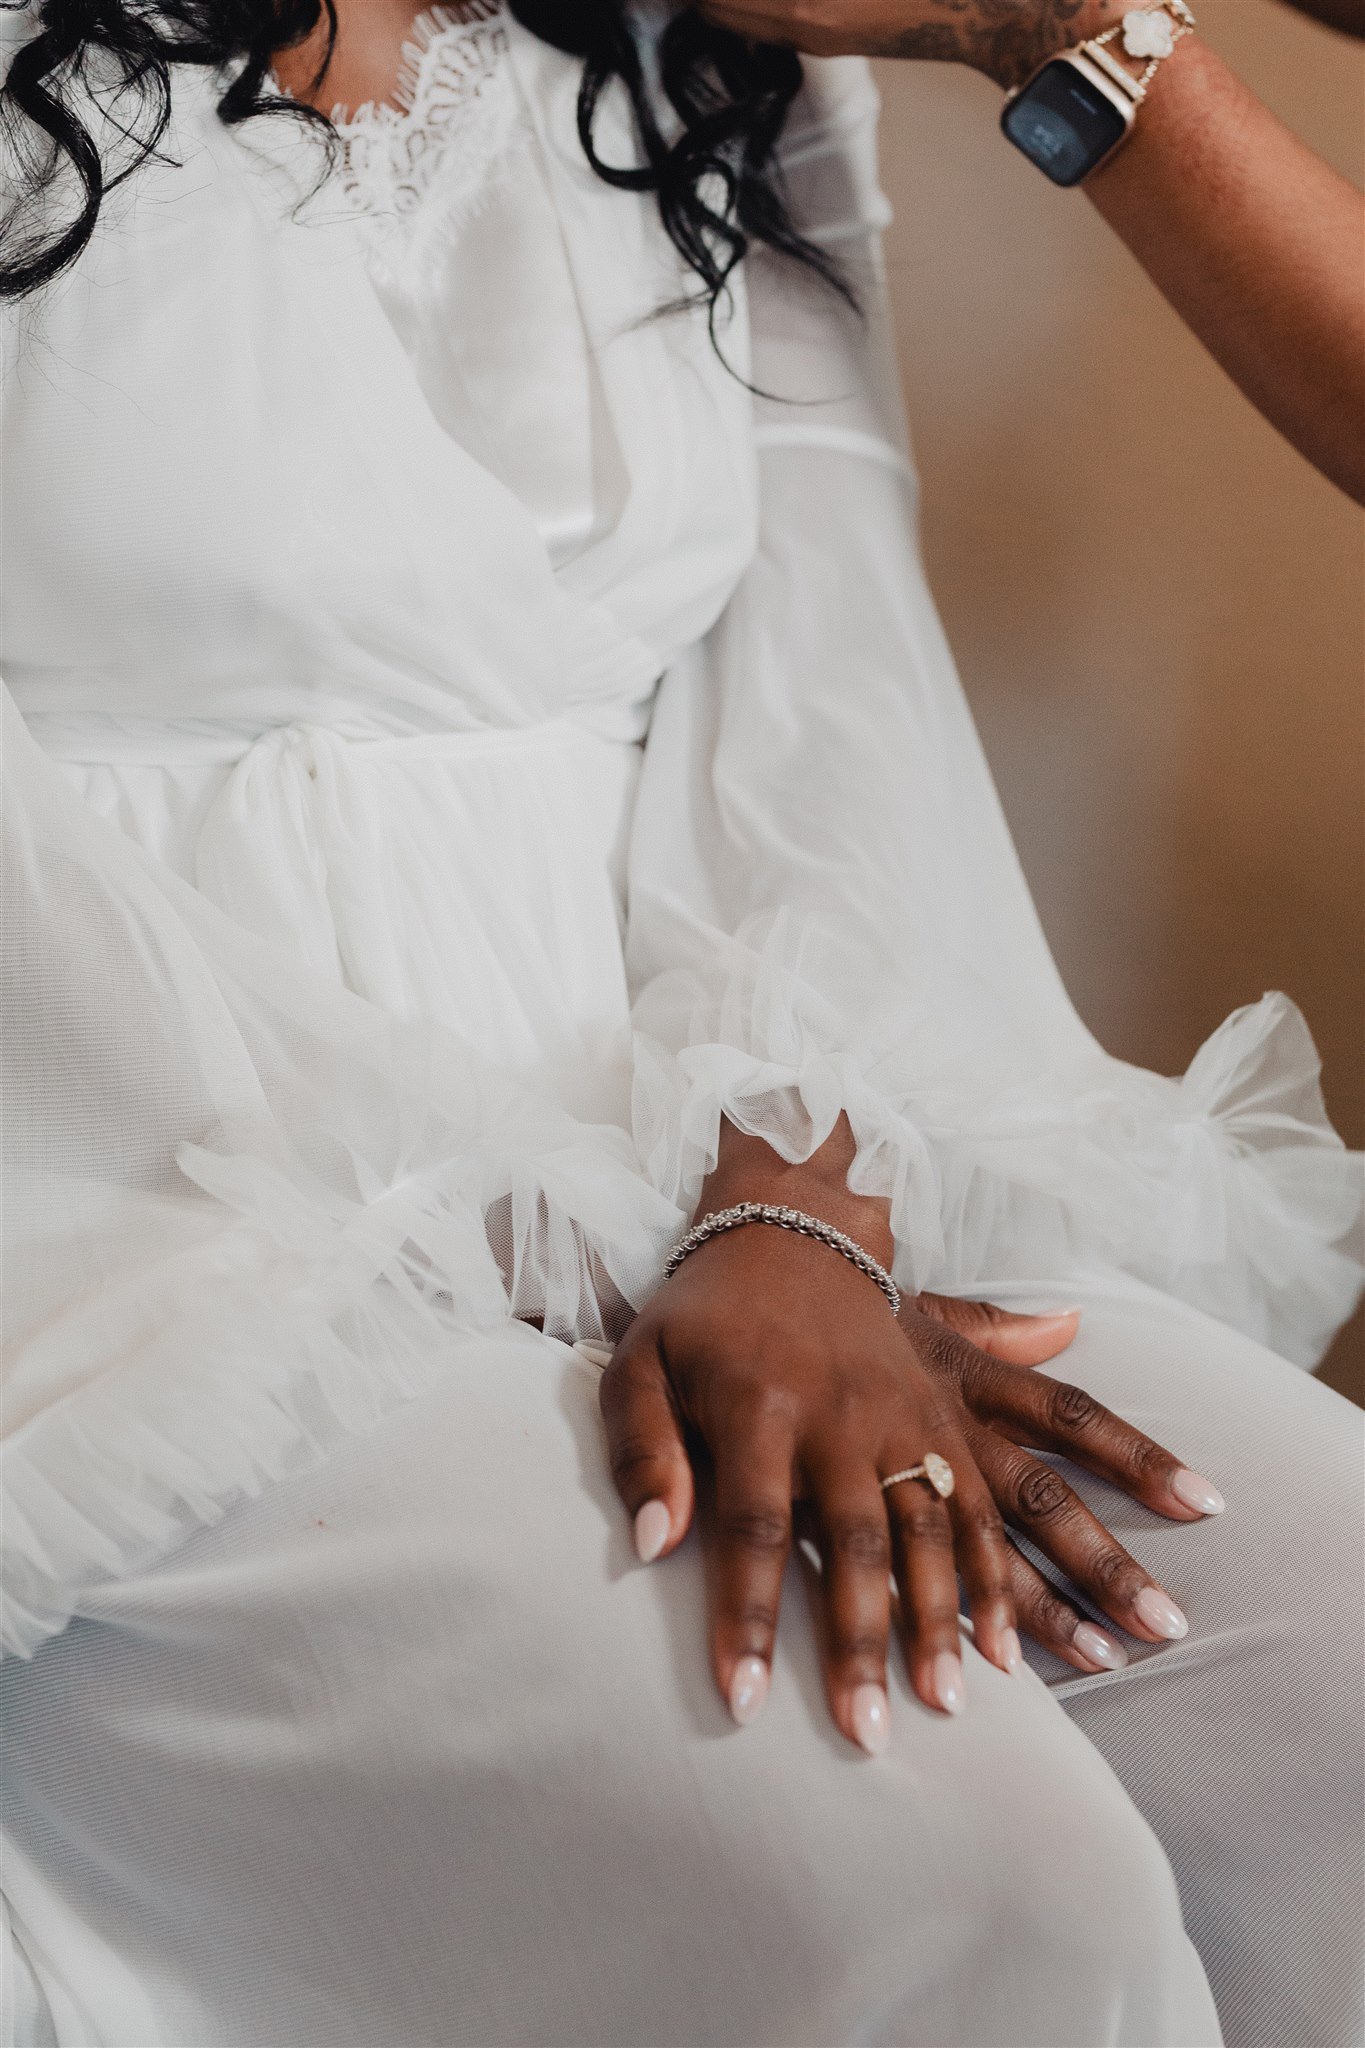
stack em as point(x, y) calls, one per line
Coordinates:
point(1150, 34)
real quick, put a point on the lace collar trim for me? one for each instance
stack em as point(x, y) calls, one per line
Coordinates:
point(453, 113)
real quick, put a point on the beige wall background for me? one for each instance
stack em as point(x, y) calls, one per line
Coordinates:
point(1158, 608)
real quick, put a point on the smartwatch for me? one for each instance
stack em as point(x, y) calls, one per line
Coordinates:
point(1080, 105)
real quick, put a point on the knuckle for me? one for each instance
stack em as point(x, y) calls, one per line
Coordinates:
point(755, 1620)
point(860, 1540)
point(1048, 1614)
point(858, 1646)
point(981, 1527)
point(927, 1526)
point(758, 1527)
point(1070, 1409)
point(631, 1457)
point(936, 1617)
point(843, 1402)
point(767, 1405)
point(1043, 1497)
point(1115, 1574)
point(1147, 1460)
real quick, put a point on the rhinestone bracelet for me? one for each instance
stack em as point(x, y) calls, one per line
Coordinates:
point(786, 1219)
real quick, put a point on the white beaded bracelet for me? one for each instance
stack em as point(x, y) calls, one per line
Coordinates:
point(786, 1219)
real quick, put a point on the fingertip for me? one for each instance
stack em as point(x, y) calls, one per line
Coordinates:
point(997, 1638)
point(748, 1689)
point(653, 1527)
point(1098, 1649)
point(938, 1682)
point(869, 1714)
point(1195, 1492)
point(945, 1679)
point(1160, 1616)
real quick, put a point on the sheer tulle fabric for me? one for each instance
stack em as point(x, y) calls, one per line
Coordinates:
point(363, 980)
point(450, 762)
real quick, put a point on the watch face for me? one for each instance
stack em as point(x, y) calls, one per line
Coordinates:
point(1063, 122)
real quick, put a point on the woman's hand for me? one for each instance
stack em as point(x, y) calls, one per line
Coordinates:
point(976, 1351)
point(770, 1372)
point(767, 1380)
point(1007, 39)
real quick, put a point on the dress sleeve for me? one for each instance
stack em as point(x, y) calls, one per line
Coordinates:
point(826, 912)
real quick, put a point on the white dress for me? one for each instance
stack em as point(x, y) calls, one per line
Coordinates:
point(462, 741)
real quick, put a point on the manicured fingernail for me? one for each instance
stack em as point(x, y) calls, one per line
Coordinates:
point(1097, 1648)
point(748, 1689)
point(1011, 1654)
point(596, 1354)
point(947, 1681)
point(1197, 1492)
point(871, 1718)
point(651, 1530)
point(1161, 1614)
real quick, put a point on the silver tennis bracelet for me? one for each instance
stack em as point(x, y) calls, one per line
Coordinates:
point(786, 1219)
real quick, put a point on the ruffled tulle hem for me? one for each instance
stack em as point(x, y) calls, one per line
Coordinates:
point(1226, 1187)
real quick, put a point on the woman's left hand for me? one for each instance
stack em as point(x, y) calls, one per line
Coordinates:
point(977, 1350)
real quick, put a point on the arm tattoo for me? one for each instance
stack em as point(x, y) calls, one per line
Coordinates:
point(1007, 39)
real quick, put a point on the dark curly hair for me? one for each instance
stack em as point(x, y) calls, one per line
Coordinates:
point(707, 122)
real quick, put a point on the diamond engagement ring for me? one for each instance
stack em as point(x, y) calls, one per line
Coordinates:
point(937, 1471)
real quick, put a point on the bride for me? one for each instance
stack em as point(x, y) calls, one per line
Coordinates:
point(485, 786)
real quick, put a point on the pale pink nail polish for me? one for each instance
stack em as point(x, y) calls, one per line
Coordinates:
point(651, 1530)
point(1011, 1652)
point(1161, 1614)
point(947, 1682)
point(1097, 1648)
point(1197, 1492)
point(748, 1689)
point(871, 1718)
point(596, 1354)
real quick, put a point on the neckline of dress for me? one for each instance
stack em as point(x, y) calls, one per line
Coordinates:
point(431, 35)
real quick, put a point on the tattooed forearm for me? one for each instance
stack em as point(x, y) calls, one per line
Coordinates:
point(1007, 39)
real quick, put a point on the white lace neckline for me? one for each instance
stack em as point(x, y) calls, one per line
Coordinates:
point(452, 113)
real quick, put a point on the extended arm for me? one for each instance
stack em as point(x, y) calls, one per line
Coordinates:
point(1252, 237)
point(1257, 243)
